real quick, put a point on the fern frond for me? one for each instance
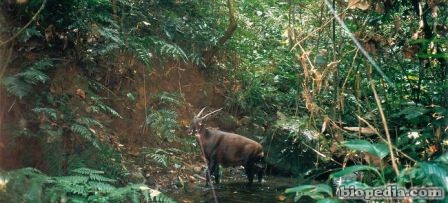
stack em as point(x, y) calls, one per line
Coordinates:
point(85, 133)
point(101, 187)
point(168, 98)
point(197, 59)
point(107, 48)
point(111, 34)
point(100, 178)
point(33, 76)
point(76, 189)
point(30, 185)
point(21, 84)
point(163, 123)
point(89, 122)
point(99, 106)
point(87, 171)
point(43, 64)
point(142, 54)
point(70, 180)
point(106, 18)
point(172, 50)
point(160, 158)
point(105, 109)
point(50, 112)
point(17, 86)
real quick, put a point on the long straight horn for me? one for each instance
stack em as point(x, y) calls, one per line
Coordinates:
point(200, 112)
point(211, 113)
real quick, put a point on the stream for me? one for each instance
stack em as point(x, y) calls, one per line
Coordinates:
point(235, 190)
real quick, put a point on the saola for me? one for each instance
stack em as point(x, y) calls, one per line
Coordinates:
point(227, 149)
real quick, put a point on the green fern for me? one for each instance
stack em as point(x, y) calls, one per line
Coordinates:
point(142, 48)
point(197, 59)
point(160, 157)
point(89, 122)
point(163, 123)
point(102, 187)
point(99, 106)
point(111, 34)
point(24, 185)
point(50, 112)
point(85, 132)
point(168, 98)
point(33, 76)
point(17, 86)
point(87, 171)
point(171, 50)
point(21, 84)
point(43, 64)
point(142, 54)
point(100, 178)
point(74, 179)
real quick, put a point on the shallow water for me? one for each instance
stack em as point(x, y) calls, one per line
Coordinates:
point(235, 190)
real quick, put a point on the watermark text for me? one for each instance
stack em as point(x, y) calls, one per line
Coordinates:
point(390, 192)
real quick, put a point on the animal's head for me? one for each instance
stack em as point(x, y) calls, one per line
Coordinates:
point(197, 124)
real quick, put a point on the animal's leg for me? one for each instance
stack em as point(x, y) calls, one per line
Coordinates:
point(260, 172)
point(249, 171)
point(216, 172)
point(207, 176)
point(213, 169)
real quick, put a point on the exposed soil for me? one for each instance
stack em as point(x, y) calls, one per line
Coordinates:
point(129, 134)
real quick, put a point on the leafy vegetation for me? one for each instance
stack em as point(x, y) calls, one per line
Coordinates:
point(357, 97)
point(84, 185)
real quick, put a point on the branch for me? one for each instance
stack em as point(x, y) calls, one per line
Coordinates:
point(386, 129)
point(229, 32)
point(26, 26)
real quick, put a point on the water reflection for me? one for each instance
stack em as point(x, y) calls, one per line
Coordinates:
point(235, 191)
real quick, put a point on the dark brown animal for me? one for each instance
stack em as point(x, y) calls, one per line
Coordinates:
point(227, 149)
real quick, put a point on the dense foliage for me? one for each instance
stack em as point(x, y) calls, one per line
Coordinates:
point(325, 108)
point(85, 185)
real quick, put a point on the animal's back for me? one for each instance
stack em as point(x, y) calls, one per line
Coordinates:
point(236, 149)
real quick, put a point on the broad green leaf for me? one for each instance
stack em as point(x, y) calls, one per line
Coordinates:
point(412, 112)
point(320, 188)
point(329, 200)
point(443, 158)
point(378, 149)
point(437, 173)
point(300, 188)
point(356, 184)
point(316, 192)
point(360, 145)
point(352, 169)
